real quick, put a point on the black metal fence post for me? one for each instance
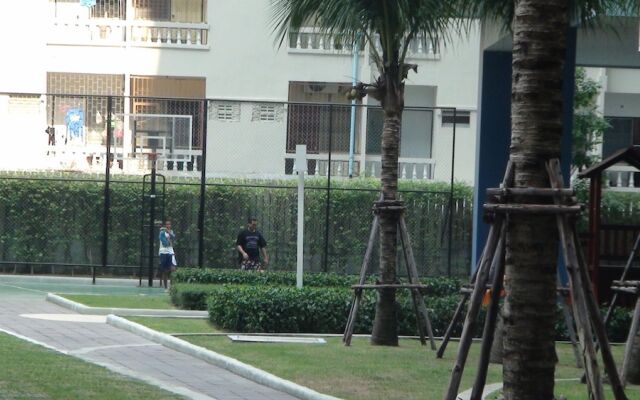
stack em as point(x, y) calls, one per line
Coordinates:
point(107, 192)
point(328, 205)
point(453, 159)
point(203, 186)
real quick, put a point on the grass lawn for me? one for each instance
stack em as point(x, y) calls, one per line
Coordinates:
point(155, 302)
point(363, 371)
point(32, 372)
point(176, 325)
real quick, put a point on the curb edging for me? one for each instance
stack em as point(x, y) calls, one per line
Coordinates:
point(82, 309)
point(219, 360)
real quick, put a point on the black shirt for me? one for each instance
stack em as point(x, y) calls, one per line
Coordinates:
point(251, 243)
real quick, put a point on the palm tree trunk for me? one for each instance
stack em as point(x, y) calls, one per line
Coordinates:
point(539, 45)
point(385, 324)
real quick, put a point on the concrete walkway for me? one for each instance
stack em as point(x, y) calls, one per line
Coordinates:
point(24, 312)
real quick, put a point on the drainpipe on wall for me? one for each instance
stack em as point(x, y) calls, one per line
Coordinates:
point(352, 130)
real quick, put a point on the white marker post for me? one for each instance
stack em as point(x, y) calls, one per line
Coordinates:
point(301, 164)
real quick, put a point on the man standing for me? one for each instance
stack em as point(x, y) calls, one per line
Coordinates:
point(250, 244)
point(167, 255)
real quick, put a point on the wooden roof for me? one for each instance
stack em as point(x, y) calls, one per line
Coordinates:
point(630, 155)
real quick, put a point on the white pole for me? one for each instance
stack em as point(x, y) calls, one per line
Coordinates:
point(301, 163)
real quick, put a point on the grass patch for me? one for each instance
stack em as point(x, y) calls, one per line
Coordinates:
point(155, 302)
point(364, 372)
point(176, 325)
point(32, 372)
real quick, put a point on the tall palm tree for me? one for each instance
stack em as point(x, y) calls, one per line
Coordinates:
point(540, 29)
point(388, 26)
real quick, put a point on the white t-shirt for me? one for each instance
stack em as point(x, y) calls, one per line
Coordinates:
point(165, 245)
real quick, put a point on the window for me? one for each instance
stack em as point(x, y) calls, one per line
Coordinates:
point(462, 118)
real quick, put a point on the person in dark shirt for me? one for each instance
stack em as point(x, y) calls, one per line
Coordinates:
point(250, 243)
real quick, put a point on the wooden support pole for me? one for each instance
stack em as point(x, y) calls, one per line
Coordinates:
point(412, 270)
point(532, 209)
point(627, 266)
point(472, 313)
point(598, 326)
point(490, 321)
point(586, 300)
point(568, 320)
point(629, 346)
point(454, 320)
point(594, 382)
point(357, 295)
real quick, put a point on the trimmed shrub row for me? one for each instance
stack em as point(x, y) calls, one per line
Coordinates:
point(244, 308)
point(310, 310)
point(437, 286)
point(272, 278)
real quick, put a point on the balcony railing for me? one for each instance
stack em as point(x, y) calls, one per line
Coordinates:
point(120, 33)
point(311, 40)
point(622, 178)
point(408, 168)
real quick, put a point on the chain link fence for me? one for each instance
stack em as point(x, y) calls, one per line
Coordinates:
point(75, 187)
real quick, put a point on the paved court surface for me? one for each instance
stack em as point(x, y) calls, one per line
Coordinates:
point(24, 311)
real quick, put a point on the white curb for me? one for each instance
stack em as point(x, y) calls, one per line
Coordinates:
point(228, 363)
point(82, 309)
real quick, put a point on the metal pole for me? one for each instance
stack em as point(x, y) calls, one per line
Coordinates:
point(352, 130)
point(301, 166)
point(453, 159)
point(328, 205)
point(152, 217)
point(107, 193)
point(203, 179)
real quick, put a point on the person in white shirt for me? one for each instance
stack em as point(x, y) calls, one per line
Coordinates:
point(167, 255)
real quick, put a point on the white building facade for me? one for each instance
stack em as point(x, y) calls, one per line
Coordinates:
point(164, 57)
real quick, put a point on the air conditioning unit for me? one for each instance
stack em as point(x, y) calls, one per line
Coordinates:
point(322, 88)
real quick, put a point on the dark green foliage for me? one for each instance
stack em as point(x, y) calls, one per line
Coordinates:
point(309, 310)
point(235, 276)
point(57, 220)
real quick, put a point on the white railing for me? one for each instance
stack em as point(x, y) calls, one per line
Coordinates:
point(621, 178)
point(107, 32)
point(167, 34)
point(408, 168)
point(312, 40)
point(114, 32)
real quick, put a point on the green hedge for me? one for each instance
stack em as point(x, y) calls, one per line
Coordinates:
point(264, 308)
point(57, 220)
point(219, 276)
point(311, 310)
point(192, 286)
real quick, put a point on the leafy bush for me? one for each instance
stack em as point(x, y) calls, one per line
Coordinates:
point(57, 219)
point(311, 310)
point(219, 276)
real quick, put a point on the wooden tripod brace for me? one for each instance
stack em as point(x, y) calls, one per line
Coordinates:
point(585, 307)
point(414, 285)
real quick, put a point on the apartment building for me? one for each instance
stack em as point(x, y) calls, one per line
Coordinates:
point(163, 57)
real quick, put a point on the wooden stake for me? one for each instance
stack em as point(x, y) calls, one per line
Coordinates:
point(412, 271)
point(490, 321)
point(454, 320)
point(357, 295)
point(629, 346)
point(622, 278)
point(568, 320)
point(472, 313)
